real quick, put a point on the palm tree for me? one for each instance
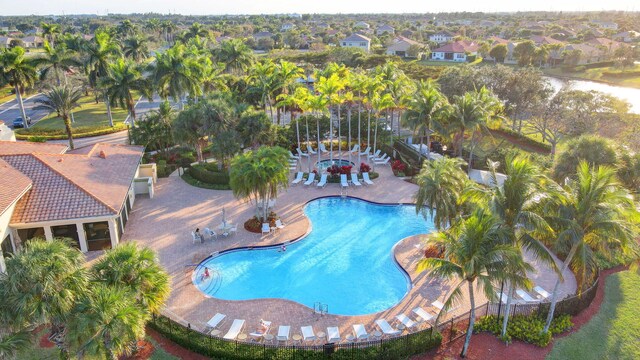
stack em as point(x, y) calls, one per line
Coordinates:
point(235, 54)
point(20, 72)
point(330, 88)
point(191, 128)
point(259, 175)
point(474, 252)
point(440, 186)
point(427, 104)
point(155, 131)
point(136, 48)
point(122, 78)
point(50, 31)
point(596, 214)
point(61, 100)
point(168, 27)
point(285, 76)
point(262, 80)
point(44, 280)
point(57, 59)
point(380, 104)
point(107, 322)
point(12, 343)
point(176, 73)
point(126, 29)
point(99, 52)
point(195, 30)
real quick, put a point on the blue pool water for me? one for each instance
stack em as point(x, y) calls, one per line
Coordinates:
point(323, 165)
point(346, 260)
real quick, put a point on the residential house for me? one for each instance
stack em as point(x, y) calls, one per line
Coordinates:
point(607, 45)
point(401, 45)
point(287, 27)
point(33, 41)
point(361, 25)
point(456, 51)
point(544, 40)
point(357, 41)
point(385, 29)
point(6, 133)
point(5, 42)
point(262, 35)
point(441, 37)
point(588, 53)
point(627, 36)
point(606, 24)
point(85, 195)
point(509, 59)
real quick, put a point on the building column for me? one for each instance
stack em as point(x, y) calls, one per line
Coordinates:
point(48, 234)
point(113, 233)
point(82, 239)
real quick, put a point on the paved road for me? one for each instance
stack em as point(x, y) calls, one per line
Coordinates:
point(9, 111)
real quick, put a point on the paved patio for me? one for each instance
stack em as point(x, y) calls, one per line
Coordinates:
point(165, 222)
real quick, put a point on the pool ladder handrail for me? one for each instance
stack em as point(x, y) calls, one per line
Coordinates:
point(320, 308)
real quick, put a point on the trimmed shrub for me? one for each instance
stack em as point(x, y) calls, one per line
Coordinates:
point(37, 139)
point(80, 132)
point(199, 172)
point(525, 328)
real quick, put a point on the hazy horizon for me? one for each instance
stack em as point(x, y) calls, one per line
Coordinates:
point(268, 7)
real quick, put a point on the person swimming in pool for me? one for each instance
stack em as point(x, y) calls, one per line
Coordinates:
point(205, 274)
point(283, 248)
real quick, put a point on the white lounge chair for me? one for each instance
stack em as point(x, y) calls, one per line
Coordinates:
point(210, 233)
point(525, 296)
point(381, 158)
point(235, 329)
point(404, 319)
point(365, 179)
point(323, 181)
point(541, 292)
point(439, 305)
point(312, 176)
point(355, 149)
point(333, 334)
point(301, 154)
point(292, 156)
point(298, 178)
point(386, 328)
point(283, 333)
point(360, 332)
point(322, 148)
point(266, 229)
point(279, 224)
point(216, 320)
point(264, 328)
point(384, 162)
point(343, 181)
point(366, 151)
point(502, 297)
point(354, 180)
point(233, 230)
point(423, 314)
point(310, 150)
point(307, 333)
point(375, 154)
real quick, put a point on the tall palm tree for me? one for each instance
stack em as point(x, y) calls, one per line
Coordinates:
point(62, 100)
point(440, 186)
point(12, 343)
point(262, 79)
point(136, 48)
point(50, 31)
point(168, 28)
point(474, 253)
point(195, 30)
point(235, 54)
point(176, 73)
point(285, 75)
point(426, 105)
point(44, 280)
point(330, 89)
point(191, 128)
point(597, 213)
point(56, 59)
point(20, 72)
point(155, 131)
point(122, 78)
point(380, 104)
point(126, 29)
point(98, 55)
point(107, 322)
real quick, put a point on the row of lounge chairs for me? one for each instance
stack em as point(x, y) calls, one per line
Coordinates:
point(344, 182)
point(525, 297)
point(323, 150)
point(266, 228)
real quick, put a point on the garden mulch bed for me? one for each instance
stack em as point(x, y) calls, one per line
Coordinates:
point(487, 346)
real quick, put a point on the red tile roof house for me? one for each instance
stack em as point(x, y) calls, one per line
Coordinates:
point(455, 51)
point(85, 196)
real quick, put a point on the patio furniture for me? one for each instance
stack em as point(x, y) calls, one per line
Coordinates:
point(541, 292)
point(292, 156)
point(210, 233)
point(283, 333)
point(235, 329)
point(355, 149)
point(312, 176)
point(381, 158)
point(404, 319)
point(422, 314)
point(502, 297)
point(343, 181)
point(439, 305)
point(298, 178)
point(323, 181)
point(233, 230)
point(307, 333)
point(375, 155)
point(525, 296)
point(322, 149)
point(264, 328)
point(354, 180)
point(225, 228)
point(297, 338)
point(333, 334)
point(383, 162)
point(266, 229)
point(195, 237)
point(310, 150)
point(301, 154)
point(386, 328)
point(365, 179)
point(360, 332)
point(279, 224)
point(215, 321)
point(366, 151)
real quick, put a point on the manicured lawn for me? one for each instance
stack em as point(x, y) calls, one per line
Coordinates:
point(614, 332)
point(5, 94)
point(597, 74)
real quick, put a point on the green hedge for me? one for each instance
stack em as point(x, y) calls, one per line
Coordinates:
point(197, 183)
point(525, 139)
point(527, 328)
point(201, 173)
point(25, 134)
point(216, 348)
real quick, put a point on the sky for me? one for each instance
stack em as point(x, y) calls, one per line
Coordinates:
point(216, 7)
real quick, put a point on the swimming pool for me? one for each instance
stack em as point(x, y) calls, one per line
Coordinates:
point(323, 165)
point(346, 261)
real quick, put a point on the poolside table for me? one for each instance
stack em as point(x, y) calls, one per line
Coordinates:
point(401, 327)
point(377, 334)
point(351, 338)
point(242, 337)
point(268, 337)
point(320, 335)
point(216, 332)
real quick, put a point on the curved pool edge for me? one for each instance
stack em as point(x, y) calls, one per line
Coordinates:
point(404, 272)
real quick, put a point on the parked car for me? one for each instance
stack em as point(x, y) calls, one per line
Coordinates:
point(19, 123)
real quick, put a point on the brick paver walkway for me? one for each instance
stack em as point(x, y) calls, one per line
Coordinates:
point(165, 222)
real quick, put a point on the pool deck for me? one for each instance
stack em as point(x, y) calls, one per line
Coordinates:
point(165, 223)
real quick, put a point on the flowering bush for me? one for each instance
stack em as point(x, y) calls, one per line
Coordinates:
point(364, 167)
point(337, 170)
point(398, 166)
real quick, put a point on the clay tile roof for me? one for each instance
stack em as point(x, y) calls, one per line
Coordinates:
point(458, 47)
point(23, 148)
point(12, 193)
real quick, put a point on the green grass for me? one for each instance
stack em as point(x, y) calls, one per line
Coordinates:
point(597, 75)
point(5, 94)
point(614, 332)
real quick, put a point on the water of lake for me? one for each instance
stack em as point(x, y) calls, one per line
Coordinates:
point(631, 95)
